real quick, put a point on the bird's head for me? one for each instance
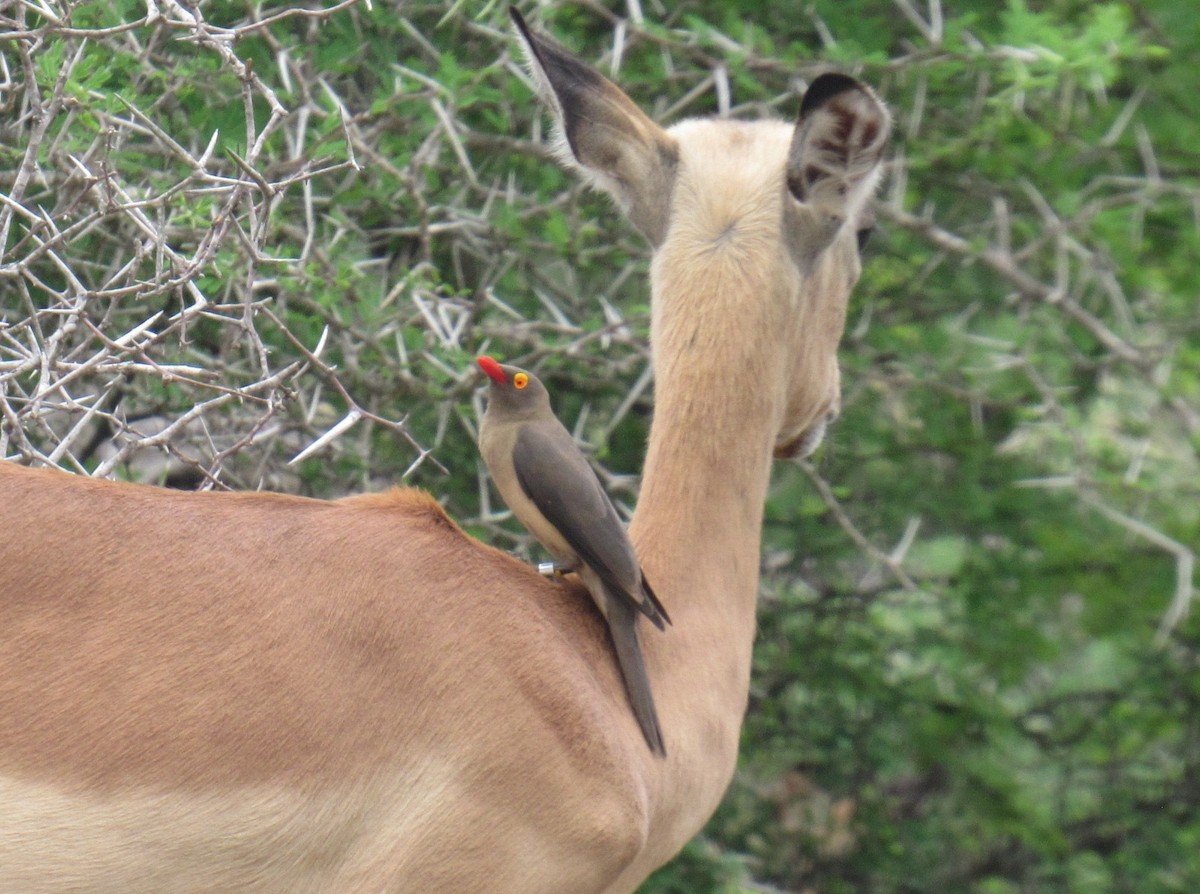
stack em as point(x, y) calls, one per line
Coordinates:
point(511, 388)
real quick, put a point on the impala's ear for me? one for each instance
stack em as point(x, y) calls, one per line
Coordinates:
point(833, 163)
point(600, 130)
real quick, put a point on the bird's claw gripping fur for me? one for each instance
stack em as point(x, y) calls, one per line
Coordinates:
point(556, 569)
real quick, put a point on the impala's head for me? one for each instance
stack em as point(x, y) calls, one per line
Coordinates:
point(755, 225)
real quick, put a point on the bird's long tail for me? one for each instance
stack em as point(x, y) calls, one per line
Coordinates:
point(622, 624)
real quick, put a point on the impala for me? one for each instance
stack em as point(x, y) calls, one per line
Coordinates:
point(259, 692)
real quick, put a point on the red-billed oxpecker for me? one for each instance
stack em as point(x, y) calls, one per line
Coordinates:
point(549, 486)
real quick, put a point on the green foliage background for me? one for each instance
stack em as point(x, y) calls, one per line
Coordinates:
point(964, 680)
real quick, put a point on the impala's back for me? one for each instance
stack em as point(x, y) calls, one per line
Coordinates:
point(254, 692)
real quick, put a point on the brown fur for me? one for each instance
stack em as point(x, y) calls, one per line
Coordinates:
point(188, 644)
point(256, 692)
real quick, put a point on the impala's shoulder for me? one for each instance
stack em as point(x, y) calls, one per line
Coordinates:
point(411, 502)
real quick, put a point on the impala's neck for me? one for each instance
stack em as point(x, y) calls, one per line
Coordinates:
point(719, 368)
point(708, 464)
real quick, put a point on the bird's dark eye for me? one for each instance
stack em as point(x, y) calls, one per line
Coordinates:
point(864, 236)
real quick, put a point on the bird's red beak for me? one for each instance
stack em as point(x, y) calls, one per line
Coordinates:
point(493, 370)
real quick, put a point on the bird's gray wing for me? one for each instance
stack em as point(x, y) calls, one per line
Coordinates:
point(556, 477)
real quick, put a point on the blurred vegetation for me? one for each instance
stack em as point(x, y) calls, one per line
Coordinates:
point(233, 231)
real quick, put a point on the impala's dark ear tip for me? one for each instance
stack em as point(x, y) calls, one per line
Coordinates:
point(518, 20)
point(825, 88)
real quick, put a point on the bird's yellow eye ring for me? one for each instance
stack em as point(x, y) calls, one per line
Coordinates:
point(520, 380)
